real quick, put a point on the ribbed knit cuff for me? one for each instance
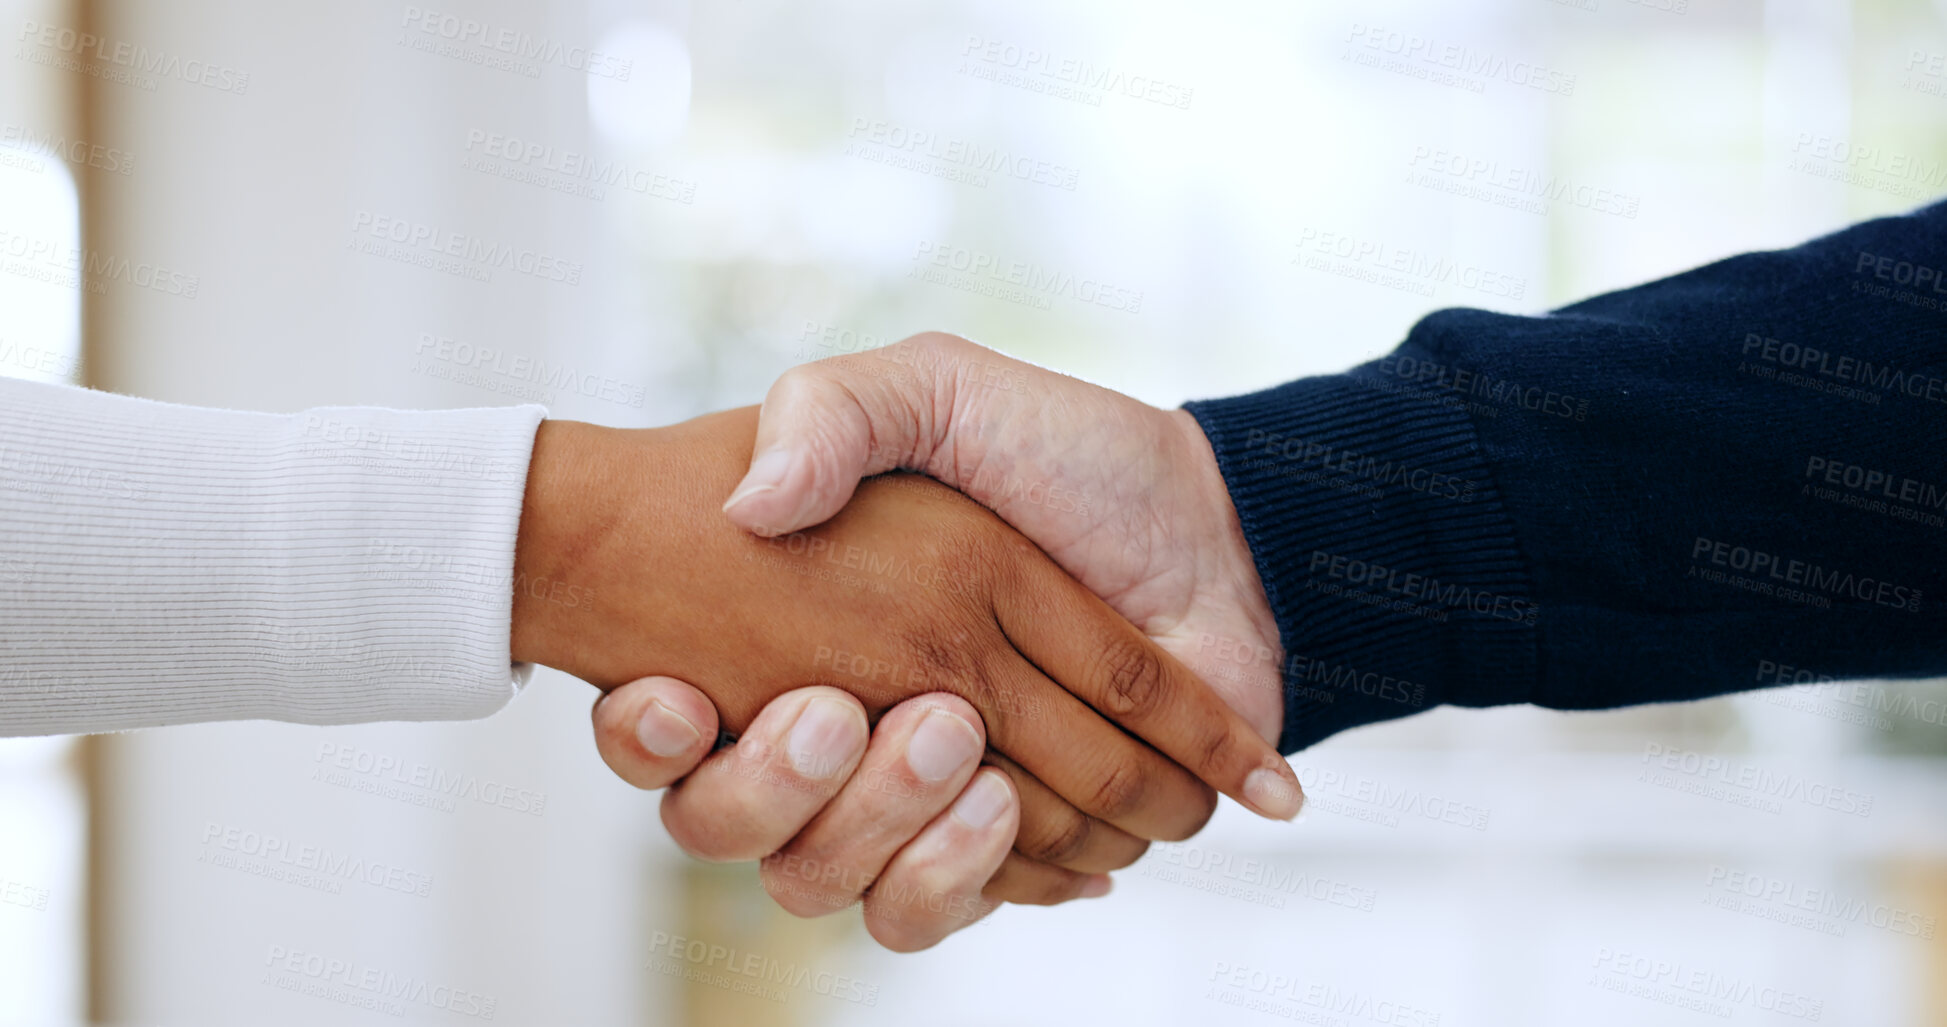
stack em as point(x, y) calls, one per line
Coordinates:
point(1388, 558)
point(168, 564)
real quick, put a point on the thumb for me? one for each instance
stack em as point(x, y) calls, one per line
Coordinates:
point(826, 425)
point(653, 731)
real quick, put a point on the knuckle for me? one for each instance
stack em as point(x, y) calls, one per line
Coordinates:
point(1211, 751)
point(1134, 679)
point(1121, 792)
point(1064, 843)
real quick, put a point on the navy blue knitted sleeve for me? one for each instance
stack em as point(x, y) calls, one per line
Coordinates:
point(1728, 479)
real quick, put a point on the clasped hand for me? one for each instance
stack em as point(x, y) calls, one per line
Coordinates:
point(912, 606)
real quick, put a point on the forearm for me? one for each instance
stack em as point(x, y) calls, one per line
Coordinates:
point(163, 564)
point(1558, 509)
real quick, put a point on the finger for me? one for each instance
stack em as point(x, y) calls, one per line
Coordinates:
point(1108, 663)
point(932, 888)
point(1024, 882)
point(748, 800)
point(923, 753)
point(652, 731)
point(826, 425)
point(1089, 762)
point(1053, 831)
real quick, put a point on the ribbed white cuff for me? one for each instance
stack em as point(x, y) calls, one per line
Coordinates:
point(164, 564)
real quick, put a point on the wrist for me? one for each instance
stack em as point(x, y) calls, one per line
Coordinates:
point(567, 513)
point(1230, 584)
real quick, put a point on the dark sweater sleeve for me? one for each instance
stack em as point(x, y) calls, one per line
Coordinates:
point(1729, 479)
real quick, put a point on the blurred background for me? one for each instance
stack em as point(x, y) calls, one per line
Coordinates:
point(227, 203)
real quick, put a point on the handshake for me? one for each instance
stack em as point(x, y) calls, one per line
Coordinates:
point(990, 681)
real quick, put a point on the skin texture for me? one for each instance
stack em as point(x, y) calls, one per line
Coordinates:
point(751, 801)
point(1127, 497)
point(911, 590)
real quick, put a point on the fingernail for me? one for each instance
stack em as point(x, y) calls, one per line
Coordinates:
point(941, 746)
point(664, 731)
point(982, 803)
point(1273, 794)
point(766, 474)
point(1097, 886)
point(824, 739)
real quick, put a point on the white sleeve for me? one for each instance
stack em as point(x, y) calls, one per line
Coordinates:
point(165, 564)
